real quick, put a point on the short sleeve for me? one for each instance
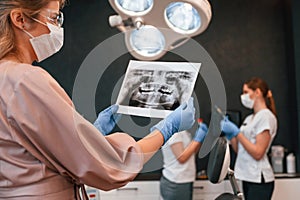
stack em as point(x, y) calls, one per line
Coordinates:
point(264, 122)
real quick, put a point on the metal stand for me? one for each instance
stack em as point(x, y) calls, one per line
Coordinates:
point(234, 184)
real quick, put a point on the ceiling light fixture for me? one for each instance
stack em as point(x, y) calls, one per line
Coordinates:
point(153, 27)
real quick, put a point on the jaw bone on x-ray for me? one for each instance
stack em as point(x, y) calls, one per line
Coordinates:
point(154, 89)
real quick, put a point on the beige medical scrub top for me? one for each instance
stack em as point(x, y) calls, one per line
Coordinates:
point(47, 148)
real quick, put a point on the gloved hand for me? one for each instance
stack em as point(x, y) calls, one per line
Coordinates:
point(201, 132)
point(180, 119)
point(107, 119)
point(229, 128)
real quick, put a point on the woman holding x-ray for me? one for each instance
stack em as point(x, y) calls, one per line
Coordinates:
point(47, 149)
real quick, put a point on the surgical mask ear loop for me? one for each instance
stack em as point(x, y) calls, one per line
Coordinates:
point(36, 20)
point(23, 29)
point(31, 36)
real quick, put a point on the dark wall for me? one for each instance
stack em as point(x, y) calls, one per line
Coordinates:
point(245, 39)
point(295, 59)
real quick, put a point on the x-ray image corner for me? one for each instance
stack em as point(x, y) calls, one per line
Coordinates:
point(179, 166)
point(48, 150)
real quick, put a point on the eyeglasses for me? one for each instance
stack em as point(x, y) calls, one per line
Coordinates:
point(56, 18)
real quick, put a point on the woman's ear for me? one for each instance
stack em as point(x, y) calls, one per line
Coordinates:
point(17, 18)
point(258, 92)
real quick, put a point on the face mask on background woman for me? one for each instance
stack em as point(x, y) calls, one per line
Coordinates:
point(247, 101)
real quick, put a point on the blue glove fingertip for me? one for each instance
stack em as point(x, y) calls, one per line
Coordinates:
point(114, 108)
point(203, 127)
point(105, 110)
point(183, 106)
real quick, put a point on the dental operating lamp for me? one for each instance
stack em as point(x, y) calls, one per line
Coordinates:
point(154, 27)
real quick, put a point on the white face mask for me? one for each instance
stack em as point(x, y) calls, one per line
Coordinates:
point(247, 101)
point(46, 45)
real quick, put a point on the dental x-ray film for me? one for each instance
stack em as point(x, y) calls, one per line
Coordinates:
point(154, 89)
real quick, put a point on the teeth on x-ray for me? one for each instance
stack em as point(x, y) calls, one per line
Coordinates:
point(159, 86)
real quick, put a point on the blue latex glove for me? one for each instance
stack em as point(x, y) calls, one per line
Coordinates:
point(180, 119)
point(229, 128)
point(107, 119)
point(201, 132)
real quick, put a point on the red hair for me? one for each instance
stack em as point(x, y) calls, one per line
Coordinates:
point(258, 83)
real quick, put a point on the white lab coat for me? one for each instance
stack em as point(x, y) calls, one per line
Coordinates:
point(246, 167)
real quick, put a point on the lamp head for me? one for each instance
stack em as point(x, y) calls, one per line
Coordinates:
point(156, 26)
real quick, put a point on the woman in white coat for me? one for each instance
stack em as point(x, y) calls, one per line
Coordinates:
point(253, 139)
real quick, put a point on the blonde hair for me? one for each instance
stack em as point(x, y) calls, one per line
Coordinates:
point(257, 83)
point(29, 7)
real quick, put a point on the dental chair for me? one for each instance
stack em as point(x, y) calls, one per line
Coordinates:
point(218, 168)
